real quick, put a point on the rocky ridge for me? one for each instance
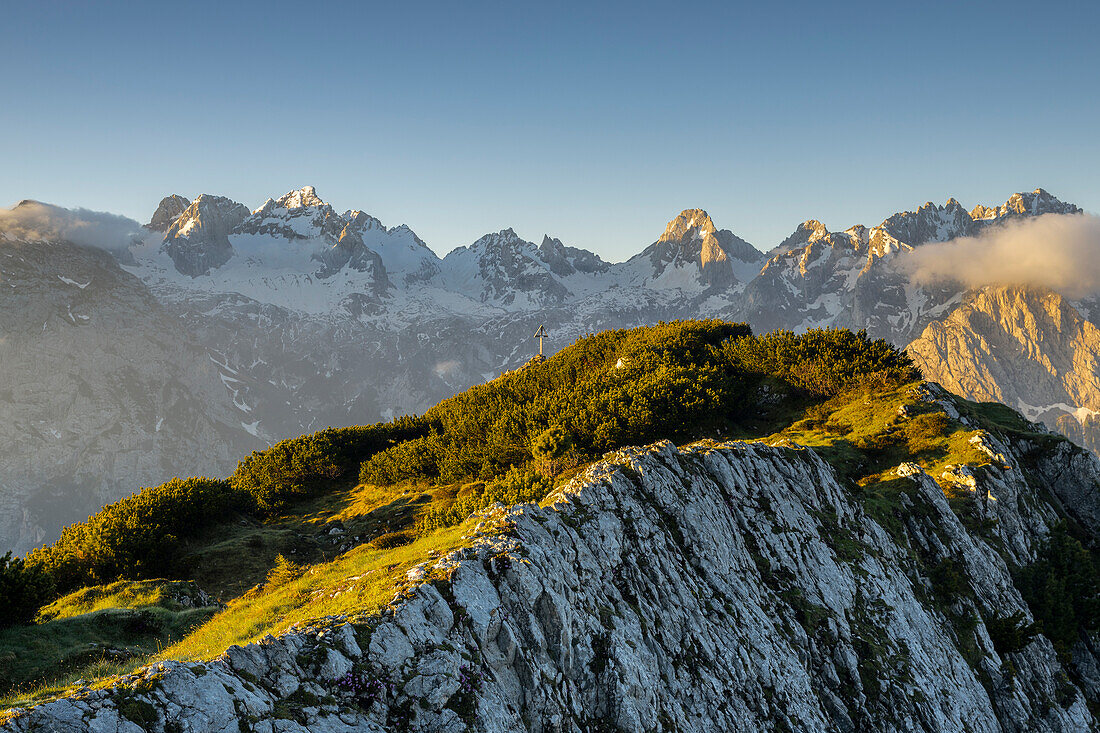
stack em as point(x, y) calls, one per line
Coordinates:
point(730, 586)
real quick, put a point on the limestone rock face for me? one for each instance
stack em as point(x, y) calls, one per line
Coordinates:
point(693, 252)
point(198, 240)
point(167, 212)
point(103, 391)
point(733, 587)
point(1030, 349)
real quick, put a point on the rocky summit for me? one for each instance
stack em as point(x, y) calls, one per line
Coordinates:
point(723, 586)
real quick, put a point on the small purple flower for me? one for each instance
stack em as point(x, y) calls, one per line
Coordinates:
point(469, 679)
point(366, 691)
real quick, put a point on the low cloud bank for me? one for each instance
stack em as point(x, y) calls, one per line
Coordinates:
point(1056, 251)
point(34, 220)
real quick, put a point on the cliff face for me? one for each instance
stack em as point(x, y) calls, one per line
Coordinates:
point(718, 587)
point(1028, 348)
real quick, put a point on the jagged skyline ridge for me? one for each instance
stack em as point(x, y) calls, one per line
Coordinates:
point(566, 119)
point(83, 225)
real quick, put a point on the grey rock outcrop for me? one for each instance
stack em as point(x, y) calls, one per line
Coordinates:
point(198, 240)
point(719, 587)
point(167, 212)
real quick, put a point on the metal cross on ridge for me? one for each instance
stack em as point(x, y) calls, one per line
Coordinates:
point(540, 335)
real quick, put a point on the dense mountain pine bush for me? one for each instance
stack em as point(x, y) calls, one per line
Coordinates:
point(624, 387)
point(140, 536)
point(23, 590)
point(673, 380)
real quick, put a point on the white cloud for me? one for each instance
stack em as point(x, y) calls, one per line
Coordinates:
point(1056, 251)
point(33, 220)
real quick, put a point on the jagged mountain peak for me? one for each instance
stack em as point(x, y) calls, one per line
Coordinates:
point(302, 198)
point(564, 260)
point(363, 221)
point(204, 211)
point(198, 239)
point(808, 231)
point(167, 212)
point(689, 221)
point(503, 238)
point(694, 255)
point(1035, 203)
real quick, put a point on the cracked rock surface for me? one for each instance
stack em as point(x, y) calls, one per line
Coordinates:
point(735, 586)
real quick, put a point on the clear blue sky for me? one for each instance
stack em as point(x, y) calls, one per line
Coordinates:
point(596, 123)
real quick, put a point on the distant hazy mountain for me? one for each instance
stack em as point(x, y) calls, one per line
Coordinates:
point(290, 317)
point(103, 390)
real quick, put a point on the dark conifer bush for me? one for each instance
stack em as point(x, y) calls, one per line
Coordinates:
point(1062, 588)
point(300, 467)
point(140, 536)
point(23, 590)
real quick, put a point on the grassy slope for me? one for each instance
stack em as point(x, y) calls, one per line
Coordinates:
point(92, 633)
point(864, 435)
point(70, 640)
point(861, 433)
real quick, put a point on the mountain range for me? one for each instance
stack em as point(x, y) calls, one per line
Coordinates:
point(243, 326)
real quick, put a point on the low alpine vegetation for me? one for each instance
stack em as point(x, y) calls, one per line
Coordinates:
point(681, 380)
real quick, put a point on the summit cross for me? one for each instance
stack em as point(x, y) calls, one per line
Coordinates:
point(540, 335)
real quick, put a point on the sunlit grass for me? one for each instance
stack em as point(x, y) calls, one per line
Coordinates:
point(133, 594)
point(42, 660)
point(358, 583)
point(865, 436)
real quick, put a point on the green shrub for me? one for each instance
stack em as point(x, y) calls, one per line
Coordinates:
point(949, 580)
point(517, 487)
point(23, 590)
point(301, 467)
point(140, 536)
point(822, 362)
point(551, 443)
point(416, 457)
point(284, 571)
point(1010, 634)
point(391, 540)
